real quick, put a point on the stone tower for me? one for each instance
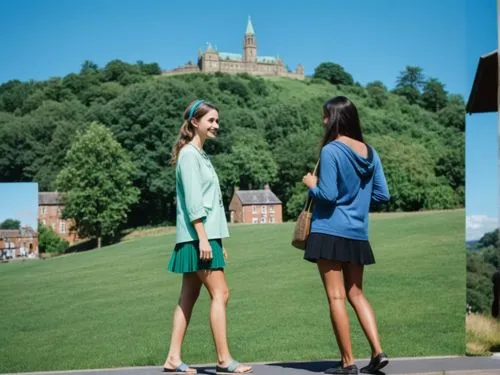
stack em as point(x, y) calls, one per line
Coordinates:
point(250, 44)
point(210, 60)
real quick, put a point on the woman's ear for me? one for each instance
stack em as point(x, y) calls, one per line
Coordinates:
point(194, 122)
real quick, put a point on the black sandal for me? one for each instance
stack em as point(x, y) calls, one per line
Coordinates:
point(376, 363)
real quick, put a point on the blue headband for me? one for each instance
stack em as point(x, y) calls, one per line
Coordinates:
point(193, 108)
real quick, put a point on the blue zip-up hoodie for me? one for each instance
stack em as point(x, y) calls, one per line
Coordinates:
point(347, 184)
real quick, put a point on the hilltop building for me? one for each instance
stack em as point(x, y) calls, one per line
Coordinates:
point(249, 62)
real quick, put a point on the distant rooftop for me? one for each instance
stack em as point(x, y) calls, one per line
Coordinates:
point(264, 196)
point(230, 56)
point(17, 233)
point(49, 198)
point(267, 59)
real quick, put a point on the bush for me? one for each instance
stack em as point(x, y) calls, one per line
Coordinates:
point(49, 241)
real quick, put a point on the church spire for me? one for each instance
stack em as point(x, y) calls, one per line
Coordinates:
point(249, 27)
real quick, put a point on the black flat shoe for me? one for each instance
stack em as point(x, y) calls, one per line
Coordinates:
point(352, 369)
point(376, 363)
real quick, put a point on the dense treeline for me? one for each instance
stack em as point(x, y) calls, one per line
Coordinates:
point(483, 259)
point(270, 131)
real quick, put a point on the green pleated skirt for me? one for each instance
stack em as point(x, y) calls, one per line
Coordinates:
point(186, 257)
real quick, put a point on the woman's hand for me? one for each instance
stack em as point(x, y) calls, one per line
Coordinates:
point(310, 180)
point(224, 251)
point(205, 250)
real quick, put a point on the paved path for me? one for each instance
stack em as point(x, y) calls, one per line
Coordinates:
point(417, 365)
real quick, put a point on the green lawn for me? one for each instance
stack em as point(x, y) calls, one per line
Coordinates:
point(112, 307)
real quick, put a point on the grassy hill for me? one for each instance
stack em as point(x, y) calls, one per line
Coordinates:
point(270, 129)
point(113, 307)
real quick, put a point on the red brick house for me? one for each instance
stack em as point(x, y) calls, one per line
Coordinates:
point(50, 209)
point(255, 207)
point(15, 243)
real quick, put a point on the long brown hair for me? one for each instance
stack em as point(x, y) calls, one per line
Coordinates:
point(187, 130)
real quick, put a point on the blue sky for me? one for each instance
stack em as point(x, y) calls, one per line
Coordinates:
point(373, 40)
point(19, 201)
point(482, 184)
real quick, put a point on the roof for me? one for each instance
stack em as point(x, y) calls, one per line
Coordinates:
point(249, 27)
point(230, 56)
point(267, 59)
point(26, 231)
point(210, 48)
point(9, 233)
point(484, 92)
point(49, 198)
point(264, 196)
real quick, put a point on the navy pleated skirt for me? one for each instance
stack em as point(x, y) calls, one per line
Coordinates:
point(326, 246)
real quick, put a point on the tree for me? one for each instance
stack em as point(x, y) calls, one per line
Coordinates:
point(15, 156)
point(453, 114)
point(149, 69)
point(482, 262)
point(10, 224)
point(333, 73)
point(377, 92)
point(89, 66)
point(434, 96)
point(122, 72)
point(489, 239)
point(412, 77)
point(13, 94)
point(254, 162)
point(409, 84)
point(451, 164)
point(96, 185)
point(411, 94)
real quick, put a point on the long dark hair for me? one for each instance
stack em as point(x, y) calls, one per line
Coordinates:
point(342, 119)
point(187, 132)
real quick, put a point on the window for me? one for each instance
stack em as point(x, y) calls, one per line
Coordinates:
point(255, 220)
point(44, 222)
point(271, 219)
point(263, 219)
point(263, 209)
point(254, 209)
point(271, 209)
point(62, 226)
point(44, 210)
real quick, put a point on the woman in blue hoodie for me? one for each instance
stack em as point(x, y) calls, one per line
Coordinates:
point(350, 178)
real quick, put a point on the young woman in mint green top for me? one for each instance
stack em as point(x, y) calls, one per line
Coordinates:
point(200, 227)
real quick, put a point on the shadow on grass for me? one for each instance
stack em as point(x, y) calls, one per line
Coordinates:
point(91, 244)
point(121, 236)
point(81, 246)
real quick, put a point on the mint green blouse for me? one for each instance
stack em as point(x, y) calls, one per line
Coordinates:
point(198, 196)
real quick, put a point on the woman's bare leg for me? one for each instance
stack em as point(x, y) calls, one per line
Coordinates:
point(191, 285)
point(215, 282)
point(353, 277)
point(331, 274)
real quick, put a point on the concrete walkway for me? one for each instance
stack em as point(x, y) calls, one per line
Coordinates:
point(417, 365)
